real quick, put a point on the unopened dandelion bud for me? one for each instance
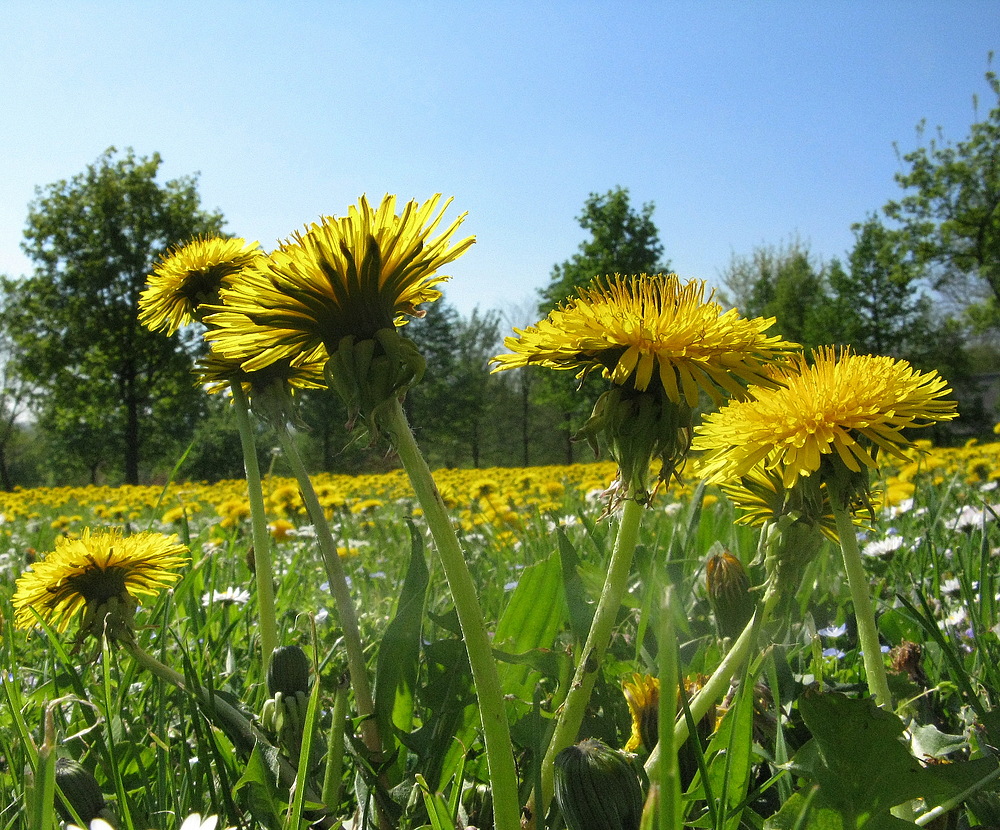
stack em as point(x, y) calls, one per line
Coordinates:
point(288, 671)
point(81, 790)
point(597, 788)
point(729, 593)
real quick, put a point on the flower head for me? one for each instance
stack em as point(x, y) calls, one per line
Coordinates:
point(842, 408)
point(102, 573)
point(189, 277)
point(645, 331)
point(642, 694)
point(343, 277)
point(660, 343)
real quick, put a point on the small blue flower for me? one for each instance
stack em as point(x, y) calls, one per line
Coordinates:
point(833, 630)
point(835, 653)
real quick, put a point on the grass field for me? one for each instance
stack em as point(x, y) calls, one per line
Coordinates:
point(797, 733)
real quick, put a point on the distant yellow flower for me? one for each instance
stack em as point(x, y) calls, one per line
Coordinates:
point(646, 330)
point(102, 573)
point(347, 277)
point(844, 407)
point(191, 276)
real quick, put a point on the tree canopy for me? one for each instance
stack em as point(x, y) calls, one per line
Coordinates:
point(950, 213)
point(622, 241)
point(106, 389)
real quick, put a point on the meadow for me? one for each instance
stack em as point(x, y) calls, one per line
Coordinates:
point(796, 733)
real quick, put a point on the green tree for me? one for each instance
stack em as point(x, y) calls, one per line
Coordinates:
point(784, 282)
point(950, 215)
point(110, 393)
point(622, 241)
point(879, 306)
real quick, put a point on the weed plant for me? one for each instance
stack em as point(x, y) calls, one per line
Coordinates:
point(796, 742)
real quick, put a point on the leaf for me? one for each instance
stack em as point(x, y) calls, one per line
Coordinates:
point(580, 612)
point(534, 616)
point(863, 769)
point(258, 781)
point(398, 661)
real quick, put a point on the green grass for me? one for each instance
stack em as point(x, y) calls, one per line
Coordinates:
point(157, 756)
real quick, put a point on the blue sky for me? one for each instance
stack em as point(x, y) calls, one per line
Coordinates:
point(745, 123)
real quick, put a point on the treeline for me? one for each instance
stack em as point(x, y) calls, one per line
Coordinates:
point(88, 395)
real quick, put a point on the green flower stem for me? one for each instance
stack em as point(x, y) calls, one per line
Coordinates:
point(588, 667)
point(263, 568)
point(864, 609)
point(496, 731)
point(346, 612)
point(669, 807)
point(716, 686)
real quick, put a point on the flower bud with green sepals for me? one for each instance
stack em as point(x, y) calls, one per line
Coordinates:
point(81, 790)
point(729, 594)
point(597, 788)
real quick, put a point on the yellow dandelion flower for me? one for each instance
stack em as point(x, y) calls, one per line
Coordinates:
point(217, 374)
point(343, 277)
point(642, 694)
point(102, 573)
point(845, 406)
point(647, 330)
point(190, 276)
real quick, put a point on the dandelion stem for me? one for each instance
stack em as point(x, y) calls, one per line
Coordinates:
point(588, 667)
point(496, 731)
point(864, 609)
point(346, 612)
point(669, 807)
point(263, 568)
point(716, 685)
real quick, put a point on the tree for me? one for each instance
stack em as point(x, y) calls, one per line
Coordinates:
point(108, 390)
point(623, 241)
point(783, 282)
point(880, 308)
point(950, 216)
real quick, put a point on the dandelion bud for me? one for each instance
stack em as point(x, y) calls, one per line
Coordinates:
point(288, 671)
point(597, 788)
point(729, 593)
point(80, 788)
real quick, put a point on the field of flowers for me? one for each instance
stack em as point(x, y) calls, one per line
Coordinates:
point(537, 543)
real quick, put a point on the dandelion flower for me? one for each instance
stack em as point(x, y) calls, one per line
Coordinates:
point(189, 277)
point(660, 343)
point(343, 277)
point(844, 407)
point(651, 330)
point(103, 573)
point(642, 694)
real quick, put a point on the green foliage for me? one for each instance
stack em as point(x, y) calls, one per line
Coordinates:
point(623, 241)
point(784, 282)
point(949, 215)
point(110, 396)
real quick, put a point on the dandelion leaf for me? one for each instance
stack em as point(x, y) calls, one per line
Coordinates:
point(861, 769)
point(399, 650)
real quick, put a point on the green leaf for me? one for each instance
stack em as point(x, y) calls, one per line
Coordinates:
point(398, 661)
point(534, 616)
point(580, 612)
point(258, 782)
point(863, 769)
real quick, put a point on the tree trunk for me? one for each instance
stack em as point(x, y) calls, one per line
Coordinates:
point(131, 459)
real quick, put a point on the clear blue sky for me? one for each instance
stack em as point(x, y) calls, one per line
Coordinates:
point(745, 123)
